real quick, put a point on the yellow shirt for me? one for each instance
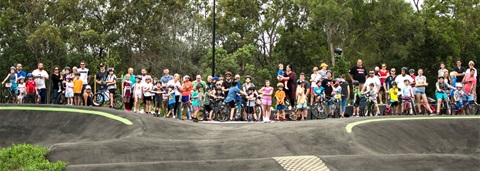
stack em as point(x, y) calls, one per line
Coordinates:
point(393, 94)
point(301, 95)
point(280, 94)
point(77, 86)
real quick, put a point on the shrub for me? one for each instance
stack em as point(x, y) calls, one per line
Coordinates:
point(27, 157)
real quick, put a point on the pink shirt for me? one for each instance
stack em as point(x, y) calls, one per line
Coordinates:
point(470, 82)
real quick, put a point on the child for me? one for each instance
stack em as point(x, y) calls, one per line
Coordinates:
point(319, 91)
point(165, 100)
point(13, 80)
point(301, 100)
point(280, 73)
point(337, 94)
point(393, 93)
point(206, 102)
point(458, 97)
point(88, 92)
point(147, 94)
point(267, 92)
point(357, 97)
point(407, 94)
point(111, 83)
point(158, 90)
point(138, 94)
point(251, 99)
point(196, 101)
point(31, 88)
point(69, 90)
point(21, 89)
point(171, 100)
point(77, 89)
point(280, 96)
point(127, 91)
point(373, 97)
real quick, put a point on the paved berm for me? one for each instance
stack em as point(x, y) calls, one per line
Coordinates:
point(94, 142)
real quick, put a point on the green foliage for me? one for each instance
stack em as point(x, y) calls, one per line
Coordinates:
point(27, 157)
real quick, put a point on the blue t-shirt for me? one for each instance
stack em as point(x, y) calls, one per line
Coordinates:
point(318, 91)
point(280, 72)
point(166, 79)
point(21, 73)
point(232, 94)
point(171, 97)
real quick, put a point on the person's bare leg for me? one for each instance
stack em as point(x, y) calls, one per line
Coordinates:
point(419, 98)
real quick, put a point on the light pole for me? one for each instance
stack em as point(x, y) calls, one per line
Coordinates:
point(213, 41)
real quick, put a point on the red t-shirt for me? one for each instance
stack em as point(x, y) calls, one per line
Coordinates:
point(413, 77)
point(187, 88)
point(30, 86)
point(383, 74)
point(470, 82)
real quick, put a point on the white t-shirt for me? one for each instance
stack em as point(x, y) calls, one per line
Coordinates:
point(21, 88)
point(148, 87)
point(374, 80)
point(83, 75)
point(69, 87)
point(39, 78)
point(407, 91)
point(177, 86)
point(315, 78)
point(400, 80)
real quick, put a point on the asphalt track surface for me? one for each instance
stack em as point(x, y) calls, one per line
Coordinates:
point(102, 139)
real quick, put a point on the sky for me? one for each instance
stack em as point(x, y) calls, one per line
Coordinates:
point(411, 2)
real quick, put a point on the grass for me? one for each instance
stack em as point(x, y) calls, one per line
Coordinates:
point(27, 157)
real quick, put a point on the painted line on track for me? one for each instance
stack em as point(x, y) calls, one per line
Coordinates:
point(72, 110)
point(350, 126)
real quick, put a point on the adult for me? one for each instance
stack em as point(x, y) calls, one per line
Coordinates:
point(132, 80)
point(20, 72)
point(460, 72)
point(248, 83)
point(306, 85)
point(442, 69)
point(210, 83)
point(227, 83)
point(198, 80)
point(471, 65)
point(372, 79)
point(186, 93)
point(358, 73)
point(176, 86)
point(470, 83)
point(383, 74)
point(420, 84)
point(323, 71)
point(143, 71)
point(402, 77)
point(289, 76)
point(345, 93)
point(41, 76)
point(57, 80)
point(84, 75)
point(314, 78)
point(166, 76)
point(101, 77)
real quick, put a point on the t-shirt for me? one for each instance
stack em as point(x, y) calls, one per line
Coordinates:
point(382, 74)
point(474, 74)
point(245, 86)
point(441, 72)
point(323, 74)
point(171, 97)
point(315, 77)
point(148, 88)
point(158, 96)
point(280, 94)
point(393, 94)
point(420, 80)
point(345, 88)
point(39, 78)
point(206, 99)
point(459, 96)
point(337, 91)
point(470, 81)
point(413, 78)
point(326, 84)
point(306, 85)
point(21, 73)
point(251, 100)
point(77, 86)
point(132, 79)
point(358, 73)
point(196, 99)
point(203, 83)
point(69, 87)
point(301, 98)
point(21, 88)
point(400, 80)
point(187, 88)
point(443, 86)
point(407, 91)
point(166, 78)
point(318, 91)
point(227, 85)
point(83, 75)
point(31, 85)
point(460, 70)
point(291, 81)
point(388, 82)
point(176, 86)
point(232, 94)
point(102, 76)
point(280, 72)
point(56, 82)
point(111, 78)
point(375, 81)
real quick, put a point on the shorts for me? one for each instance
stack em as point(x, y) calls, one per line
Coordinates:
point(185, 99)
point(158, 103)
point(281, 107)
point(231, 104)
point(138, 95)
point(382, 89)
point(250, 110)
point(69, 94)
point(112, 91)
point(468, 98)
point(196, 108)
point(458, 104)
point(128, 93)
point(393, 104)
point(14, 90)
point(311, 90)
point(421, 92)
point(208, 108)
point(440, 95)
point(356, 102)
point(171, 106)
point(78, 95)
point(267, 102)
point(302, 106)
point(147, 98)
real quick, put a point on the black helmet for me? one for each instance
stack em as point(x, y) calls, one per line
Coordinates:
point(67, 68)
point(300, 81)
point(411, 71)
point(356, 83)
point(199, 86)
point(218, 88)
point(248, 76)
point(252, 88)
point(171, 86)
point(394, 83)
point(405, 69)
point(111, 69)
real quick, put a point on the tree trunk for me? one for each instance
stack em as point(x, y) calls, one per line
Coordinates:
point(332, 56)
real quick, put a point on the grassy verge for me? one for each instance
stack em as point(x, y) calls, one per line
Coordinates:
point(27, 157)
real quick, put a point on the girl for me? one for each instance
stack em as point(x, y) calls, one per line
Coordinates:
point(266, 92)
point(301, 99)
point(171, 101)
point(420, 85)
point(147, 94)
point(69, 90)
point(111, 82)
point(21, 89)
point(186, 92)
point(248, 83)
point(13, 80)
point(383, 73)
point(138, 94)
point(251, 99)
point(127, 91)
point(314, 78)
point(197, 97)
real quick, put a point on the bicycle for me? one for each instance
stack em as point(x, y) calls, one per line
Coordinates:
point(408, 106)
point(8, 96)
point(423, 107)
point(61, 99)
point(369, 107)
point(466, 108)
point(258, 109)
point(319, 108)
point(333, 108)
point(103, 96)
point(445, 106)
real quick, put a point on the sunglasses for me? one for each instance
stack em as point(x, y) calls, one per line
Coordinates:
point(372, 73)
point(82, 64)
point(384, 66)
point(392, 71)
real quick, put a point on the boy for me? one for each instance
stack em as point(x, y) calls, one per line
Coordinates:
point(77, 89)
point(373, 98)
point(458, 97)
point(393, 93)
point(337, 94)
point(233, 94)
point(407, 94)
point(251, 98)
point(171, 100)
point(206, 102)
point(21, 89)
point(440, 93)
point(31, 88)
point(357, 97)
point(280, 73)
point(196, 101)
point(89, 96)
point(158, 90)
point(165, 99)
point(280, 96)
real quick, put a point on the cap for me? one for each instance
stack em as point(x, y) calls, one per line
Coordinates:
point(21, 77)
point(101, 65)
point(186, 76)
point(88, 87)
point(12, 68)
point(228, 73)
point(323, 65)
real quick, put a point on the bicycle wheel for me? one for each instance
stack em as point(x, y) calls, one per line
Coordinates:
point(471, 109)
point(201, 114)
point(259, 112)
point(97, 99)
point(387, 110)
point(61, 99)
point(118, 100)
point(414, 108)
point(238, 113)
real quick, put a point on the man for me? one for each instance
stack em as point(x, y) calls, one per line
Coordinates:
point(144, 75)
point(198, 80)
point(357, 73)
point(20, 72)
point(306, 84)
point(84, 74)
point(132, 80)
point(372, 79)
point(460, 72)
point(401, 78)
point(40, 76)
point(210, 83)
point(227, 83)
point(166, 76)
point(101, 77)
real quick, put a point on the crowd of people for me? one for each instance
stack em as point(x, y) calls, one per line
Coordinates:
point(182, 97)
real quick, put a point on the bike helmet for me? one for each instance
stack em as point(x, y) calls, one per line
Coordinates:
point(138, 77)
point(67, 68)
point(218, 88)
point(215, 78)
point(248, 76)
point(21, 77)
point(111, 69)
point(252, 88)
point(300, 81)
point(458, 86)
point(279, 85)
point(411, 71)
point(29, 75)
point(69, 77)
point(329, 71)
point(356, 83)
point(148, 77)
point(12, 68)
point(405, 69)
point(394, 83)
point(171, 86)
point(199, 86)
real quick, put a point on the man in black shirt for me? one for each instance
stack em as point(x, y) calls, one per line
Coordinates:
point(57, 79)
point(326, 84)
point(357, 73)
point(227, 83)
point(101, 77)
point(460, 72)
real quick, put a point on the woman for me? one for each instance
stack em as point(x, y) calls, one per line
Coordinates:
point(383, 73)
point(314, 78)
point(290, 76)
point(57, 79)
point(266, 92)
point(470, 83)
point(442, 70)
point(186, 93)
point(323, 71)
point(420, 85)
point(248, 83)
point(471, 69)
point(176, 86)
